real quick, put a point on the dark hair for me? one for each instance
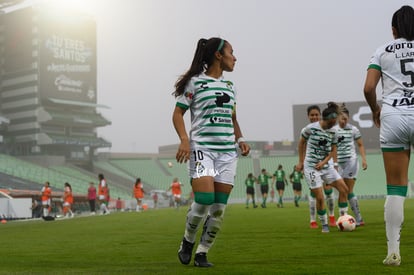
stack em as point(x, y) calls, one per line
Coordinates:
point(280, 166)
point(138, 180)
point(330, 110)
point(68, 185)
point(101, 176)
point(343, 109)
point(313, 107)
point(403, 22)
point(203, 58)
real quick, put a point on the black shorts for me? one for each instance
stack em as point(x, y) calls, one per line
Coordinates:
point(250, 190)
point(264, 189)
point(297, 186)
point(280, 185)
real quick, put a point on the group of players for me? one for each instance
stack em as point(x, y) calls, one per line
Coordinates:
point(276, 181)
point(332, 136)
point(216, 137)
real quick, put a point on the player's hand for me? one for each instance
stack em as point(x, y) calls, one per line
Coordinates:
point(245, 148)
point(364, 165)
point(299, 167)
point(376, 117)
point(183, 153)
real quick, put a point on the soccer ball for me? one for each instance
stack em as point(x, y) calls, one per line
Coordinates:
point(346, 223)
point(170, 164)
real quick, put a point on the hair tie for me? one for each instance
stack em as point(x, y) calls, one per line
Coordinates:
point(330, 116)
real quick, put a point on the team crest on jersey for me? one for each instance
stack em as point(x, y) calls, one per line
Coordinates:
point(188, 95)
point(229, 85)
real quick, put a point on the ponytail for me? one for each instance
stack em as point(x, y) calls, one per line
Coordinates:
point(203, 58)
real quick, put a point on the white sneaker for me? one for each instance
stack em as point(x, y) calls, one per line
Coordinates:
point(392, 259)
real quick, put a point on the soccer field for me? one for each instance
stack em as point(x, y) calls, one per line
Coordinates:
point(252, 241)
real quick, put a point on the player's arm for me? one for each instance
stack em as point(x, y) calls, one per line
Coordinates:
point(183, 153)
point(301, 153)
point(244, 147)
point(361, 149)
point(370, 93)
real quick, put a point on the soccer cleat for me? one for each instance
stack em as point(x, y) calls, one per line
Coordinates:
point(185, 251)
point(296, 204)
point(313, 225)
point(392, 259)
point(332, 221)
point(360, 223)
point(200, 260)
point(255, 206)
point(325, 228)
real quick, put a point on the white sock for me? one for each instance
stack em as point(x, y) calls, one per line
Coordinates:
point(355, 208)
point(394, 218)
point(323, 219)
point(330, 201)
point(195, 216)
point(312, 208)
point(212, 226)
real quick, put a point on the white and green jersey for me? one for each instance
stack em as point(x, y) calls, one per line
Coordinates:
point(346, 142)
point(395, 61)
point(211, 102)
point(319, 143)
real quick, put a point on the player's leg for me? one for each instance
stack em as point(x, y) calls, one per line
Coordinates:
point(396, 169)
point(203, 189)
point(353, 201)
point(212, 225)
point(226, 164)
point(330, 202)
point(312, 209)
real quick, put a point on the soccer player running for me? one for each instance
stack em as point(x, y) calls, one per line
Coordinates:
point(314, 115)
point(138, 192)
point(295, 178)
point(279, 180)
point(320, 140)
point(175, 188)
point(263, 179)
point(393, 64)
point(212, 145)
point(347, 158)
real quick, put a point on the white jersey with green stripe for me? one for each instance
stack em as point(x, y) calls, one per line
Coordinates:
point(346, 142)
point(212, 103)
point(395, 61)
point(319, 143)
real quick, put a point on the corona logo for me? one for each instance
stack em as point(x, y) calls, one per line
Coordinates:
point(363, 123)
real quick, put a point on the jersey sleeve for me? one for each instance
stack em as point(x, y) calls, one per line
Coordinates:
point(356, 133)
point(184, 101)
point(374, 62)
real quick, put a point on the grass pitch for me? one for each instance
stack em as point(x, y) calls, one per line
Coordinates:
point(252, 241)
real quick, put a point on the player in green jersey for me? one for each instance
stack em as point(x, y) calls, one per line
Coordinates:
point(250, 183)
point(263, 180)
point(295, 178)
point(279, 180)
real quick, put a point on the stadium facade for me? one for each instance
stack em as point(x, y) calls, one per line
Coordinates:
point(48, 96)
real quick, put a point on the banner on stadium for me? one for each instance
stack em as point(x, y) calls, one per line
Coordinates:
point(67, 57)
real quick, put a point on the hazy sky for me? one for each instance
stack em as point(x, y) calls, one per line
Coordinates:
point(289, 52)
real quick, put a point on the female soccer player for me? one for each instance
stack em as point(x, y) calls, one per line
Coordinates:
point(320, 142)
point(67, 201)
point(250, 183)
point(295, 178)
point(393, 63)
point(279, 181)
point(347, 157)
point(138, 192)
point(211, 148)
point(314, 115)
